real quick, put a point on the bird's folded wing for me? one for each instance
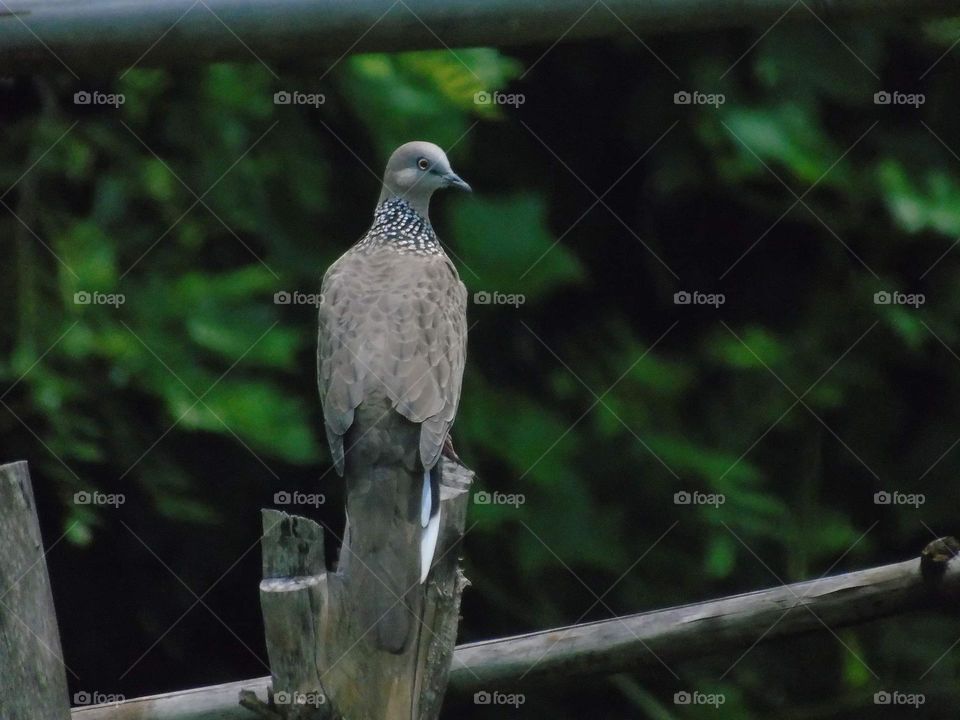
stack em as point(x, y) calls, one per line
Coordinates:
point(429, 356)
point(402, 331)
point(340, 377)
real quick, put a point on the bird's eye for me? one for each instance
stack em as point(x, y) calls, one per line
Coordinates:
point(423, 164)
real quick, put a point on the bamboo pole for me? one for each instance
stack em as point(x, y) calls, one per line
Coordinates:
point(633, 642)
point(107, 36)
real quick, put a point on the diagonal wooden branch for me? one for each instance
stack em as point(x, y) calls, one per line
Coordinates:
point(725, 625)
point(691, 631)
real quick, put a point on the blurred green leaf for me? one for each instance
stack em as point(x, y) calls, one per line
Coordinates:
point(489, 230)
point(932, 202)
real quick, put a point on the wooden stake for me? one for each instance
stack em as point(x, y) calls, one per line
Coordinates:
point(33, 681)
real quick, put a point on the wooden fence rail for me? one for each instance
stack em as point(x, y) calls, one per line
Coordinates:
point(634, 642)
point(108, 36)
point(33, 680)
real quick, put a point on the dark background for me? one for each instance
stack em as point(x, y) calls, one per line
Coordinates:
point(598, 398)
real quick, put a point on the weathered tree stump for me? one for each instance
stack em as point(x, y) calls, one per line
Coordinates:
point(322, 664)
point(33, 680)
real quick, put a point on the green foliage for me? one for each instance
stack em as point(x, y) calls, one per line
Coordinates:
point(597, 398)
point(423, 94)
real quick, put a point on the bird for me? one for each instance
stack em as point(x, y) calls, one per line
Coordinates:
point(391, 352)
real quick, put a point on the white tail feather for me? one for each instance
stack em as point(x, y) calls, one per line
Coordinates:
point(426, 500)
point(431, 528)
point(428, 545)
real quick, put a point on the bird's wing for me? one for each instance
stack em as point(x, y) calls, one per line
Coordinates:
point(451, 357)
point(340, 377)
point(428, 351)
point(398, 326)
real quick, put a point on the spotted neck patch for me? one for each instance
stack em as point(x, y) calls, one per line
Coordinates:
point(399, 226)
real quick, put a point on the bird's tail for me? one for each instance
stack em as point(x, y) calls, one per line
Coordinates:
point(393, 520)
point(399, 608)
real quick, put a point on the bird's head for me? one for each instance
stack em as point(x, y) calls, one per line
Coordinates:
point(415, 171)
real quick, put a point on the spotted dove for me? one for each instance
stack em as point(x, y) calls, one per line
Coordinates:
point(391, 352)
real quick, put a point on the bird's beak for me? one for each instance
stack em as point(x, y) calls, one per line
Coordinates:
point(451, 179)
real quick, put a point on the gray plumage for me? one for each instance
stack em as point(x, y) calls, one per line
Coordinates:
point(391, 354)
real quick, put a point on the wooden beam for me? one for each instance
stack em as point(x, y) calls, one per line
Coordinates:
point(692, 631)
point(634, 642)
point(108, 36)
point(33, 681)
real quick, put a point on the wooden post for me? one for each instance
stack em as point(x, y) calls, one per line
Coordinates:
point(33, 681)
point(321, 666)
